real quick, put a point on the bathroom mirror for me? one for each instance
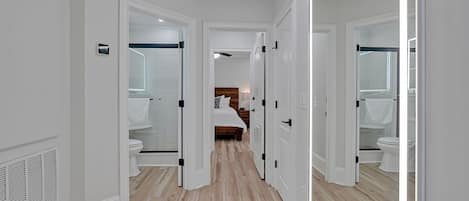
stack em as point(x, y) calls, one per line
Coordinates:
point(137, 70)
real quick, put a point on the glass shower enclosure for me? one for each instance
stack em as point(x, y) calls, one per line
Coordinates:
point(378, 89)
point(155, 72)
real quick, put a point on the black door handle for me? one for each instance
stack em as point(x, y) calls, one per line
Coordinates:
point(289, 122)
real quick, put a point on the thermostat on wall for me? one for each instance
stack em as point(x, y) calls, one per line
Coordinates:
point(102, 49)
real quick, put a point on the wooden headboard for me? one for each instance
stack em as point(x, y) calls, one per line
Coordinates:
point(230, 92)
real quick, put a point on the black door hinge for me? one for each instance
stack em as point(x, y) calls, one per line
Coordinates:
point(275, 164)
point(276, 45)
point(181, 103)
point(263, 157)
point(263, 102)
point(181, 162)
point(181, 44)
point(276, 104)
point(357, 159)
point(358, 103)
point(264, 48)
point(358, 47)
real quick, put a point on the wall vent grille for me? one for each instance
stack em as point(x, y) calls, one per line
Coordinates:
point(31, 178)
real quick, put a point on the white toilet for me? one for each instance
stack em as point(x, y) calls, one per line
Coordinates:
point(390, 148)
point(135, 146)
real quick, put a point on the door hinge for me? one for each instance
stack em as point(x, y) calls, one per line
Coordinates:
point(264, 48)
point(275, 164)
point(263, 157)
point(325, 114)
point(357, 159)
point(276, 104)
point(181, 44)
point(358, 103)
point(358, 47)
point(275, 45)
point(263, 102)
point(181, 103)
point(181, 162)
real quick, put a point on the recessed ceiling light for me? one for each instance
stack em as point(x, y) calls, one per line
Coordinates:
point(160, 20)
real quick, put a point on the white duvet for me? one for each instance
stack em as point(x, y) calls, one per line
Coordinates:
point(228, 117)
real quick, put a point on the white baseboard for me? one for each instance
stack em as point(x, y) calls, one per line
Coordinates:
point(157, 159)
point(115, 198)
point(371, 156)
point(319, 163)
point(339, 177)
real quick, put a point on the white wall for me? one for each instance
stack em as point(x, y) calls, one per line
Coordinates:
point(447, 99)
point(232, 39)
point(34, 81)
point(234, 72)
point(153, 34)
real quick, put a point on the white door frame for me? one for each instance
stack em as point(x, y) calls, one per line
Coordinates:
point(189, 175)
point(351, 134)
point(331, 88)
point(208, 86)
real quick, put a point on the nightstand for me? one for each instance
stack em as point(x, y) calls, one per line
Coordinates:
point(244, 114)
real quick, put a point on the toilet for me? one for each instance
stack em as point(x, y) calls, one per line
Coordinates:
point(390, 148)
point(135, 146)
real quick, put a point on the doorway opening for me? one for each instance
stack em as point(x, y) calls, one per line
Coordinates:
point(237, 87)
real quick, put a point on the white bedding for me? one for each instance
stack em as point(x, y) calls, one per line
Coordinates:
point(228, 117)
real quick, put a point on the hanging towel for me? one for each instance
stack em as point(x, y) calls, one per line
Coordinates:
point(138, 109)
point(378, 113)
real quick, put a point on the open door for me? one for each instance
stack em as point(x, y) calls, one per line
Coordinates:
point(284, 140)
point(257, 121)
point(180, 119)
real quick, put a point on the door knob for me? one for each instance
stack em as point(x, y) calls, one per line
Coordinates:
point(289, 122)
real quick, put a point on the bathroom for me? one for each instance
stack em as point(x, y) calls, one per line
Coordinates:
point(156, 55)
point(378, 95)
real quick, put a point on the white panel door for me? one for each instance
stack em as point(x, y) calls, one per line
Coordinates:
point(285, 143)
point(257, 116)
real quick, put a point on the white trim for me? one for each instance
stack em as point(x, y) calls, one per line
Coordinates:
point(192, 176)
point(331, 85)
point(208, 86)
point(319, 163)
point(351, 95)
point(114, 198)
point(421, 103)
point(403, 99)
point(124, 191)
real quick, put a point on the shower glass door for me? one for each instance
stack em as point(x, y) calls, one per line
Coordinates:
point(377, 95)
point(163, 81)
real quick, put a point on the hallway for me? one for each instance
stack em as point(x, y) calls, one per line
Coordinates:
point(234, 178)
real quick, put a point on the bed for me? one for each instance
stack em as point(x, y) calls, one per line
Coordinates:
point(226, 120)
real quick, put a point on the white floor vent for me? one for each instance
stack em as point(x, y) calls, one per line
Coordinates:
point(32, 178)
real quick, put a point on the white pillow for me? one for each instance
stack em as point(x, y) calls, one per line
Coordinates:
point(225, 102)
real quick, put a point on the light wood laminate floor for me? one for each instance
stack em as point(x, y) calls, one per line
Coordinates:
point(374, 185)
point(234, 178)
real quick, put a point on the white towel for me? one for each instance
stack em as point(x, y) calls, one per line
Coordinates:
point(138, 109)
point(378, 113)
